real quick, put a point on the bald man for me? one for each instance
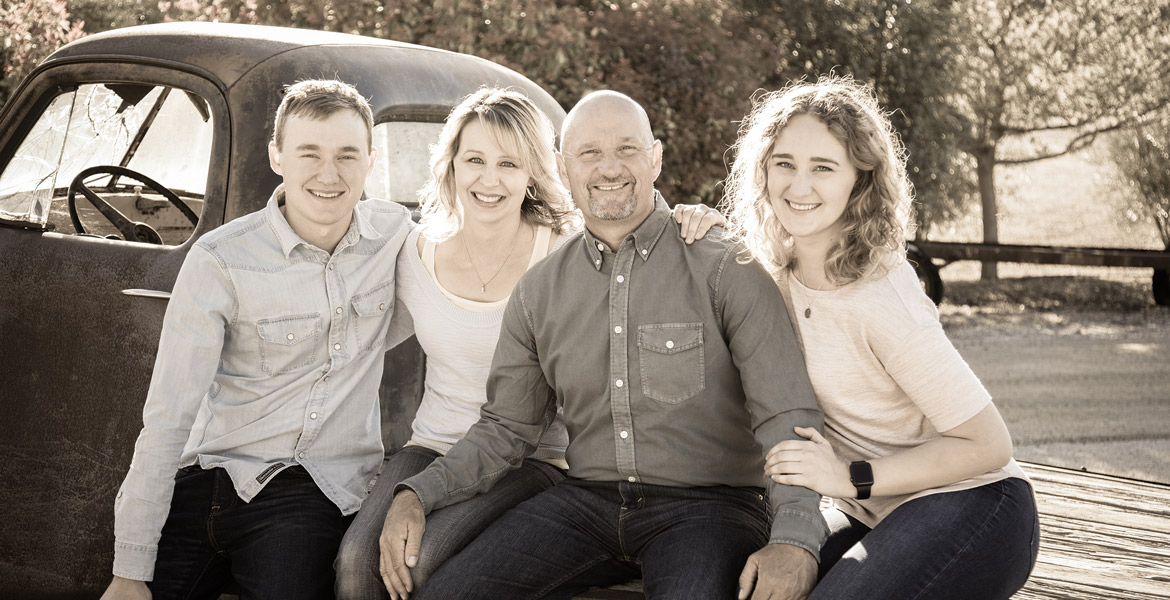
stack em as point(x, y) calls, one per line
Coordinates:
point(674, 365)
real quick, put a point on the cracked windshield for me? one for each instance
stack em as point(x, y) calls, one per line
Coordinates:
point(159, 132)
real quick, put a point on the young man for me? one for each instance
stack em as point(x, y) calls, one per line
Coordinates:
point(674, 366)
point(264, 396)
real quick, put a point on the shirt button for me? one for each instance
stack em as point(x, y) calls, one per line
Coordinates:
point(338, 310)
point(619, 383)
point(337, 346)
point(290, 336)
point(312, 415)
point(617, 329)
point(601, 246)
point(325, 378)
point(300, 455)
point(330, 266)
point(620, 278)
point(670, 343)
point(624, 434)
point(597, 262)
point(632, 479)
point(382, 306)
point(644, 251)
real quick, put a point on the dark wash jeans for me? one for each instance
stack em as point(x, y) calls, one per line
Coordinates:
point(279, 546)
point(977, 544)
point(448, 529)
point(683, 542)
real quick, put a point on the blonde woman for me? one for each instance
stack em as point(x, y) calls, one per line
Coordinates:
point(493, 208)
point(928, 502)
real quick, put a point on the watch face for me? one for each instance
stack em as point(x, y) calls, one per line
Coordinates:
point(860, 473)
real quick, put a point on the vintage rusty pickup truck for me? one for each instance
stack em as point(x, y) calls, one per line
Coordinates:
point(116, 154)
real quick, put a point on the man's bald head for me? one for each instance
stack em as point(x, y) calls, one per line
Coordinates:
point(609, 160)
point(610, 103)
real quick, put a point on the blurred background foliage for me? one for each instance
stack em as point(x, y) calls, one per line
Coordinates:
point(971, 84)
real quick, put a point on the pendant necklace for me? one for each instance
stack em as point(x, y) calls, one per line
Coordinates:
point(483, 284)
point(808, 303)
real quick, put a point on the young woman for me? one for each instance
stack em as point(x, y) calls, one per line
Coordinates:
point(493, 208)
point(928, 502)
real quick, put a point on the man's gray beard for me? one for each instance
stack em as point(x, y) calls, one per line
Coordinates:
point(613, 211)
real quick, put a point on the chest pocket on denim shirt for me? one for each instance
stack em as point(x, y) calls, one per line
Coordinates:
point(288, 343)
point(372, 310)
point(671, 360)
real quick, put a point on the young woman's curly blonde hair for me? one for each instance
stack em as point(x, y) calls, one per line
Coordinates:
point(876, 219)
point(519, 128)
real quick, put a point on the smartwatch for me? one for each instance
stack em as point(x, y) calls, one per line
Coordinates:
point(861, 476)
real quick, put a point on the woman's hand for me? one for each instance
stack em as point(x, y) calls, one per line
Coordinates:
point(695, 220)
point(811, 464)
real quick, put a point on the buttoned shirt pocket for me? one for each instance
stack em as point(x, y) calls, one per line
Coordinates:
point(671, 360)
point(372, 310)
point(288, 343)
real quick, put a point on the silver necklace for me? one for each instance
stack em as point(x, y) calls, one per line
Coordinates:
point(483, 284)
point(808, 303)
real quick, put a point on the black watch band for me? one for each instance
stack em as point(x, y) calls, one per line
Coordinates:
point(861, 476)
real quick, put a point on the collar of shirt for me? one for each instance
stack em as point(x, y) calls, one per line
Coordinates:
point(359, 226)
point(645, 236)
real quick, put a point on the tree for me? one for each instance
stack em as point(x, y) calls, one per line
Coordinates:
point(30, 30)
point(1142, 154)
point(1037, 79)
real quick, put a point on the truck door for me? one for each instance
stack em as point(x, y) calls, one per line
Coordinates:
point(108, 172)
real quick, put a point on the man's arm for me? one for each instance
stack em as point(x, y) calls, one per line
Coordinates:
point(520, 405)
point(519, 408)
point(189, 352)
point(780, 398)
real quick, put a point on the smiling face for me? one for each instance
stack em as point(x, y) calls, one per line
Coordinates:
point(324, 163)
point(810, 179)
point(489, 182)
point(610, 161)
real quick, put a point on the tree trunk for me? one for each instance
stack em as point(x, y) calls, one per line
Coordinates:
point(985, 169)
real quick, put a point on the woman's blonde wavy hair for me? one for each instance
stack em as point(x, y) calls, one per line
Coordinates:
point(877, 217)
point(519, 128)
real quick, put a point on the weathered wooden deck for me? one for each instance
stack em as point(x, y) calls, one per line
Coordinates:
point(1102, 538)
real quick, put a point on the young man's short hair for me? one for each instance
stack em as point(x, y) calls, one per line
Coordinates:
point(318, 99)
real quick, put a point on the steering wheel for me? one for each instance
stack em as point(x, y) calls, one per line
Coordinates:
point(132, 231)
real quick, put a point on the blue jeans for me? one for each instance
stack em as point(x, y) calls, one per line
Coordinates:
point(978, 544)
point(683, 542)
point(278, 546)
point(448, 530)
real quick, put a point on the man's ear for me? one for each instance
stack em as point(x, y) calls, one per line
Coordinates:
point(657, 149)
point(563, 171)
point(373, 155)
point(274, 158)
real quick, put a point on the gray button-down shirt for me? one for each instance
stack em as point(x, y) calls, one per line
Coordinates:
point(674, 365)
point(271, 355)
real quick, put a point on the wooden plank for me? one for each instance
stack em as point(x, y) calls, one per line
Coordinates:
point(1100, 537)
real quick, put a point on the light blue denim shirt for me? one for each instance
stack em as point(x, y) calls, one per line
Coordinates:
point(270, 356)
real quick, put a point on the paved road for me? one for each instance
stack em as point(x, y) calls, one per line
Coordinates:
point(1096, 398)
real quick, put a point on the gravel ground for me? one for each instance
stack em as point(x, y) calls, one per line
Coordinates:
point(1078, 364)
